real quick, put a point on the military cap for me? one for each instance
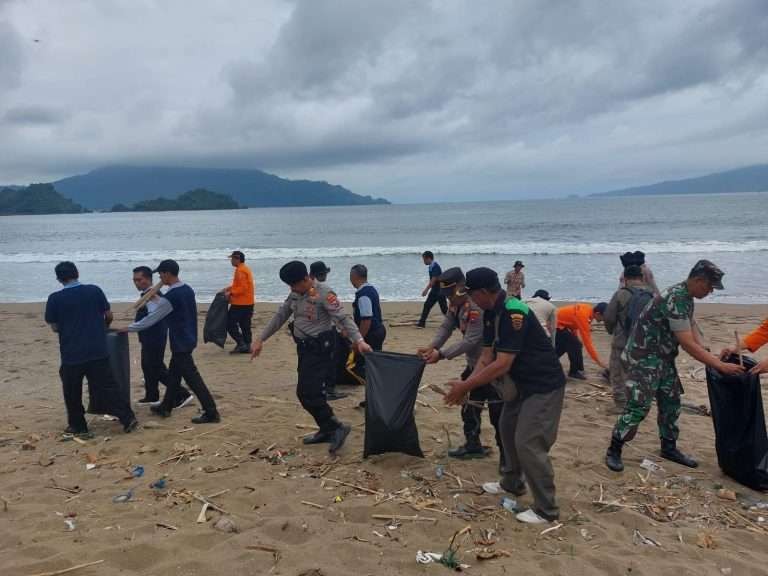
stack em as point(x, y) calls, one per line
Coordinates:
point(293, 272)
point(706, 269)
point(482, 279)
point(450, 280)
point(170, 266)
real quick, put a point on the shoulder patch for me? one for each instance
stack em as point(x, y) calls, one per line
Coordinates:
point(473, 316)
point(332, 299)
point(517, 320)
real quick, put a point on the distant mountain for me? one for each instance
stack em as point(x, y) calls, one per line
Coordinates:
point(198, 199)
point(36, 199)
point(105, 187)
point(749, 179)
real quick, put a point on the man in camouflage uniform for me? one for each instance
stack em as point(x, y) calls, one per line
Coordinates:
point(315, 309)
point(650, 354)
point(467, 317)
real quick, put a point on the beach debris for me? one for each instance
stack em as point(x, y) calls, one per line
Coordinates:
point(150, 424)
point(725, 494)
point(706, 540)
point(439, 471)
point(137, 471)
point(166, 526)
point(312, 572)
point(584, 533)
point(70, 522)
point(227, 525)
point(639, 538)
point(266, 548)
point(697, 409)
point(491, 554)
point(650, 465)
point(182, 451)
point(72, 490)
point(338, 499)
point(492, 488)
point(726, 571)
point(31, 442)
point(393, 517)
point(124, 497)
point(158, 484)
point(212, 469)
point(313, 504)
point(45, 460)
point(510, 505)
point(550, 529)
point(202, 518)
point(147, 449)
point(70, 569)
point(91, 466)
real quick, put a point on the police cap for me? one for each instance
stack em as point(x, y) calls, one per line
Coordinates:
point(706, 269)
point(293, 272)
point(450, 280)
point(482, 279)
point(170, 266)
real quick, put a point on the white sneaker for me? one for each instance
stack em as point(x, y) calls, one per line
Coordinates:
point(493, 488)
point(530, 517)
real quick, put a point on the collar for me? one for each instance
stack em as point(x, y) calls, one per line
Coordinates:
point(74, 284)
point(175, 285)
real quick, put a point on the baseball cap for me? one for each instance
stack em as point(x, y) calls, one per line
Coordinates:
point(519, 263)
point(293, 272)
point(482, 279)
point(239, 254)
point(450, 281)
point(543, 294)
point(170, 266)
point(318, 267)
point(706, 269)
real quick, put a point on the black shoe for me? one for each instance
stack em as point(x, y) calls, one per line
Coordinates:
point(160, 410)
point(338, 438)
point(148, 400)
point(420, 325)
point(669, 451)
point(207, 418)
point(184, 400)
point(240, 349)
point(469, 452)
point(578, 375)
point(318, 437)
point(131, 426)
point(76, 431)
point(613, 455)
point(332, 395)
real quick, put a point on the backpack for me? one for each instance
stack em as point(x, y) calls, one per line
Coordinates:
point(635, 306)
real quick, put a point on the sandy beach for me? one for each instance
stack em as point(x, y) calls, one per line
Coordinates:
point(299, 512)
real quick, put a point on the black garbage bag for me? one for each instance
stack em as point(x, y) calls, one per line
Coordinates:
point(392, 382)
point(740, 436)
point(120, 365)
point(215, 327)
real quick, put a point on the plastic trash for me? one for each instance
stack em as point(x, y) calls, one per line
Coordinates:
point(137, 471)
point(650, 465)
point(158, 484)
point(124, 497)
point(492, 488)
point(510, 505)
point(439, 471)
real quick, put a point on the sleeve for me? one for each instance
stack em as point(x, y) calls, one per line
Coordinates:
point(473, 337)
point(611, 315)
point(679, 313)
point(585, 331)
point(163, 308)
point(489, 318)
point(103, 300)
point(758, 337)
point(51, 312)
point(281, 317)
point(445, 330)
point(435, 271)
point(365, 306)
point(336, 311)
point(513, 326)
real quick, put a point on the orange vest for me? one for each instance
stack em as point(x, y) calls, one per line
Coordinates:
point(242, 289)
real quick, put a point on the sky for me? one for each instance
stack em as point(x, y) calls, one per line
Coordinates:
point(409, 100)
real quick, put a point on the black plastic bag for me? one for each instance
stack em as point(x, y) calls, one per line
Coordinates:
point(740, 436)
point(392, 382)
point(215, 328)
point(120, 365)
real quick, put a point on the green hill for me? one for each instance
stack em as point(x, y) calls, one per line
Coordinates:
point(198, 199)
point(36, 199)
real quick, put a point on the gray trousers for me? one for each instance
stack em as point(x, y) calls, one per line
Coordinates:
point(528, 429)
point(618, 377)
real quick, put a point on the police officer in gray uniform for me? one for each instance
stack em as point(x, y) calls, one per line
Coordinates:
point(315, 309)
point(467, 317)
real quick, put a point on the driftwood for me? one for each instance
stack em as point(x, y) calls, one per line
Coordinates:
point(70, 569)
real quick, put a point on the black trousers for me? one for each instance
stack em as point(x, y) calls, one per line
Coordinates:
point(375, 339)
point(103, 388)
point(470, 413)
point(239, 324)
point(567, 342)
point(316, 362)
point(155, 371)
point(183, 366)
point(434, 297)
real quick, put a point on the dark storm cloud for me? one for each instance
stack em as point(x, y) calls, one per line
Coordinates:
point(34, 115)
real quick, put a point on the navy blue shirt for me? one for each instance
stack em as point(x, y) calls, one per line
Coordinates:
point(78, 312)
point(372, 312)
point(155, 336)
point(182, 322)
point(435, 271)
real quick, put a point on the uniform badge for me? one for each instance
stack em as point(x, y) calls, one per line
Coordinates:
point(517, 320)
point(473, 315)
point(332, 299)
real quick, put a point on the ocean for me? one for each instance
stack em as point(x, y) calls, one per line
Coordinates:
point(570, 247)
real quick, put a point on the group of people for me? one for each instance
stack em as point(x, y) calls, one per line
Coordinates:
point(511, 344)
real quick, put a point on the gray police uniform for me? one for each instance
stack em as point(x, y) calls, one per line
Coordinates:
point(468, 318)
point(314, 316)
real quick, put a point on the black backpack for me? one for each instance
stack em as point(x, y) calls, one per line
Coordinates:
point(635, 306)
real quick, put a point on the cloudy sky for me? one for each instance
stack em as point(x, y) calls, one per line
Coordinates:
point(411, 100)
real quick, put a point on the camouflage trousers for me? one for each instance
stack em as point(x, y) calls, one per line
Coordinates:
point(647, 378)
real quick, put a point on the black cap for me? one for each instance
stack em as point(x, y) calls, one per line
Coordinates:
point(633, 271)
point(482, 279)
point(519, 263)
point(239, 255)
point(706, 269)
point(450, 280)
point(543, 294)
point(170, 266)
point(318, 267)
point(636, 258)
point(293, 272)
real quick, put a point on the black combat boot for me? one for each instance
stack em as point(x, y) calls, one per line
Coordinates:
point(338, 437)
point(669, 451)
point(471, 449)
point(613, 455)
point(318, 437)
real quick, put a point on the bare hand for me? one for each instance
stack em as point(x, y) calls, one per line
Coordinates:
point(730, 369)
point(256, 348)
point(457, 393)
point(761, 368)
point(432, 358)
point(425, 292)
point(363, 347)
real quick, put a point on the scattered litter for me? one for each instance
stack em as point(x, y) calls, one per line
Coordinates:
point(108, 418)
point(91, 466)
point(137, 471)
point(159, 484)
point(491, 554)
point(492, 488)
point(439, 471)
point(45, 460)
point(226, 524)
point(650, 465)
point(639, 538)
point(338, 499)
point(510, 505)
point(70, 524)
point(725, 494)
point(166, 526)
point(147, 449)
point(726, 571)
point(150, 424)
point(706, 540)
point(585, 534)
point(124, 497)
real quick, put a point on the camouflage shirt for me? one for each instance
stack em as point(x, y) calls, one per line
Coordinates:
point(654, 333)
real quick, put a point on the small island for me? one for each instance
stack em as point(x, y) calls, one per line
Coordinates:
point(198, 199)
point(36, 199)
